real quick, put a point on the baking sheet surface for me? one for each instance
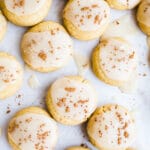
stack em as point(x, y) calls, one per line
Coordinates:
point(138, 102)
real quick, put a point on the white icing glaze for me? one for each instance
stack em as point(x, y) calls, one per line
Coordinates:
point(24, 7)
point(144, 13)
point(113, 129)
point(33, 81)
point(3, 23)
point(117, 59)
point(87, 16)
point(82, 63)
point(34, 131)
point(127, 3)
point(47, 49)
point(132, 82)
point(73, 99)
point(121, 28)
point(10, 72)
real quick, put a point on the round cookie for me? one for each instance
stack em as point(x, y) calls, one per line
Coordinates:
point(86, 21)
point(111, 127)
point(26, 12)
point(32, 128)
point(46, 47)
point(123, 4)
point(77, 148)
point(11, 75)
point(143, 16)
point(3, 25)
point(71, 100)
point(114, 61)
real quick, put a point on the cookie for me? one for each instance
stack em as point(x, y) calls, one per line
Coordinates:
point(114, 61)
point(143, 15)
point(11, 75)
point(3, 26)
point(123, 4)
point(111, 127)
point(26, 12)
point(71, 100)
point(86, 21)
point(32, 128)
point(46, 47)
point(77, 148)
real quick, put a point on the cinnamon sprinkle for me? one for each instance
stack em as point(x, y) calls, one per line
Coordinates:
point(132, 55)
point(67, 109)
point(22, 2)
point(94, 6)
point(2, 68)
point(84, 8)
point(70, 89)
point(82, 101)
point(126, 134)
point(42, 55)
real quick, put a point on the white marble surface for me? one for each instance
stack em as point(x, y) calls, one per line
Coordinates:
point(138, 102)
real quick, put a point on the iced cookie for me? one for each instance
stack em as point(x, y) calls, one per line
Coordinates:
point(11, 75)
point(46, 47)
point(143, 16)
point(111, 127)
point(114, 61)
point(123, 4)
point(71, 100)
point(77, 148)
point(3, 25)
point(26, 12)
point(32, 128)
point(86, 20)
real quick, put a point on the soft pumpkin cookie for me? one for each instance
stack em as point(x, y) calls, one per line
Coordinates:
point(143, 16)
point(111, 127)
point(77, 148)
point(123, 4)
point(11, 75)
point(26, 12)
point(3, 25)
point(32, 128)
point(114, 61)
point(46, 47)
point(71, 100)
point(86, 20)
